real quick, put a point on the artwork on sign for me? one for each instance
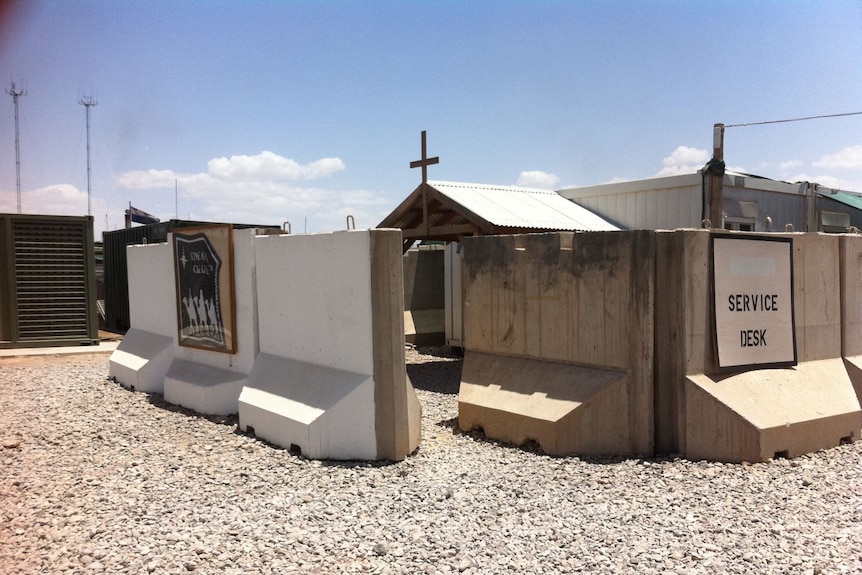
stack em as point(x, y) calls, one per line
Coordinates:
point(752, 281)
point(203, 267)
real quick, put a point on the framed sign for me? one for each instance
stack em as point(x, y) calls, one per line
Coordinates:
point(752, 281)
point(203, 269)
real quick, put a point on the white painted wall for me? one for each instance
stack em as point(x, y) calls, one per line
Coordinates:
point(314, 296)
point(151, 289)
point(665, 208)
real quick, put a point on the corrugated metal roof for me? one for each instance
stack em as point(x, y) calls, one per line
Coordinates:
point(516, 207)
point(848, 199)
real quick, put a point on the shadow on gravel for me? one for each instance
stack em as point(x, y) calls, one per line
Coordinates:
point(533, 447)
point(442, 375)
point(436, 376)
point(158, 400)
point(479, 435)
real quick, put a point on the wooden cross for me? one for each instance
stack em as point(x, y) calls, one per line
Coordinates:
point(425, 161)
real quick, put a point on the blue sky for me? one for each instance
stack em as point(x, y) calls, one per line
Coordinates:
point(311, 111)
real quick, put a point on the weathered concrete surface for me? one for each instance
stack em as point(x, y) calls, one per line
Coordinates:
point(559, 340)
point(760, 414)
point(749, 415)
point(564, 408)
point(851, 308)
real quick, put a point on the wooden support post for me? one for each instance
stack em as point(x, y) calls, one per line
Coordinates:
point(716, 177)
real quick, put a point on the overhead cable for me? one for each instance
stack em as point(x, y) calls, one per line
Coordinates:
point(791, 120)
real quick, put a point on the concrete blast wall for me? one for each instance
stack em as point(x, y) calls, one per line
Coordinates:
point(331, 376)
point(319, 360)
point(851, 309)
point(602, 343)
point(208, 381)
point(146, 352)
point(755, 414)
point(149, 358)
point(559, 341)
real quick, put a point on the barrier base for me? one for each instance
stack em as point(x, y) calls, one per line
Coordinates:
point(324, 412)
point(567, 409)
point(203, 388)
point(767, 413)
point(141, 361)
point(854, 370)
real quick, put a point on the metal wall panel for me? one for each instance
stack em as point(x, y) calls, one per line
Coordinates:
point(116, 271)
point(49, 281)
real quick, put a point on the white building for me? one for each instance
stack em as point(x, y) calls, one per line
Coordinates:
point(750, 203)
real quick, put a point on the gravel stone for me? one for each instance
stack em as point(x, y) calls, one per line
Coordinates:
point(98, 479)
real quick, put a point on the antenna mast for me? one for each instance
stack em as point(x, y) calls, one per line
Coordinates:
point(15, 93)
point(88, 102)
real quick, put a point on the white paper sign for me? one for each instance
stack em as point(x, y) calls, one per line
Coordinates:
point(753, 290)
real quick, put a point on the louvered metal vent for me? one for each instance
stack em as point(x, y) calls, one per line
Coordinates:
point(50, 262)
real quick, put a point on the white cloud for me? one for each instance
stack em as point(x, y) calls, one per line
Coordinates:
point(849, 158)
point(258, 190)
point(58, 200)
point(270, 166)
point(538, 179)
point(829, 181)
point(785, 167)
point(683, 160)
point(148, 179)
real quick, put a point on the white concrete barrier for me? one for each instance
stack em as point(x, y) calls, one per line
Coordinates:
point(331, 376)
point(209, 381)
point(143, 357)
point(324, 370)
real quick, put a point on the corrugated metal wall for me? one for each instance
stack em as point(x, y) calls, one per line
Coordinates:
point(49, 282)
point(666, 208)
point(116, 272)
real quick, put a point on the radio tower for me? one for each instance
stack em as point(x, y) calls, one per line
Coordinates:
point(88, 102)
point(15, 93)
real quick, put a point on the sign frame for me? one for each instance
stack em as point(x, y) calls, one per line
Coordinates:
point(732, 360)
point(204, 265)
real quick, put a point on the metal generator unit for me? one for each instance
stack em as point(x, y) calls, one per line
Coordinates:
point(47, 281)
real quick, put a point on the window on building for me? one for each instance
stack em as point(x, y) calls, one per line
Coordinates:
point(740, 224)
point(834, 222)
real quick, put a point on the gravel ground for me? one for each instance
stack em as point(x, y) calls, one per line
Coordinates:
point(98, 479)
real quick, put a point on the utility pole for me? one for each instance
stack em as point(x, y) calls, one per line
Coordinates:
point(88, 102)
point(715, 168)
point(15, 94)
